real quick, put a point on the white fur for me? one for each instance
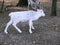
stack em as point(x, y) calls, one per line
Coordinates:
point(24, 16)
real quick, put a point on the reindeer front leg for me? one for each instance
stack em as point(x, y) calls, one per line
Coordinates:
point(30, 26)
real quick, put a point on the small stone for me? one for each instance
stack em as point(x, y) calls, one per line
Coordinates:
point(34, 42)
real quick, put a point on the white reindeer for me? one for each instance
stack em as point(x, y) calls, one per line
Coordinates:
point(24, 16)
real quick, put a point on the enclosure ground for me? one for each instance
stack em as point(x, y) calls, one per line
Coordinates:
point(47, 31)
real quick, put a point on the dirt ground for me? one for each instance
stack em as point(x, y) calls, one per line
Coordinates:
point(47, 31)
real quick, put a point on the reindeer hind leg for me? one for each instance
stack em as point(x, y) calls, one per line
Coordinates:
point(8, 24)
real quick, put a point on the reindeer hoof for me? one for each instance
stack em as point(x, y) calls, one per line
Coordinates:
point(30, 31)
point(20, 31)
point(6, 32)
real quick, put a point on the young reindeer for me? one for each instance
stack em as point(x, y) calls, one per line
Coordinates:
point(24, 16)
point(33, 4)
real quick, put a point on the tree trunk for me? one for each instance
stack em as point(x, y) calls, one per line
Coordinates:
point(22, 3)
point(53, 10)
point(2, 6)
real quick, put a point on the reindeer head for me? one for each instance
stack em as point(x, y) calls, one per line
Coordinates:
point(41, 12)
